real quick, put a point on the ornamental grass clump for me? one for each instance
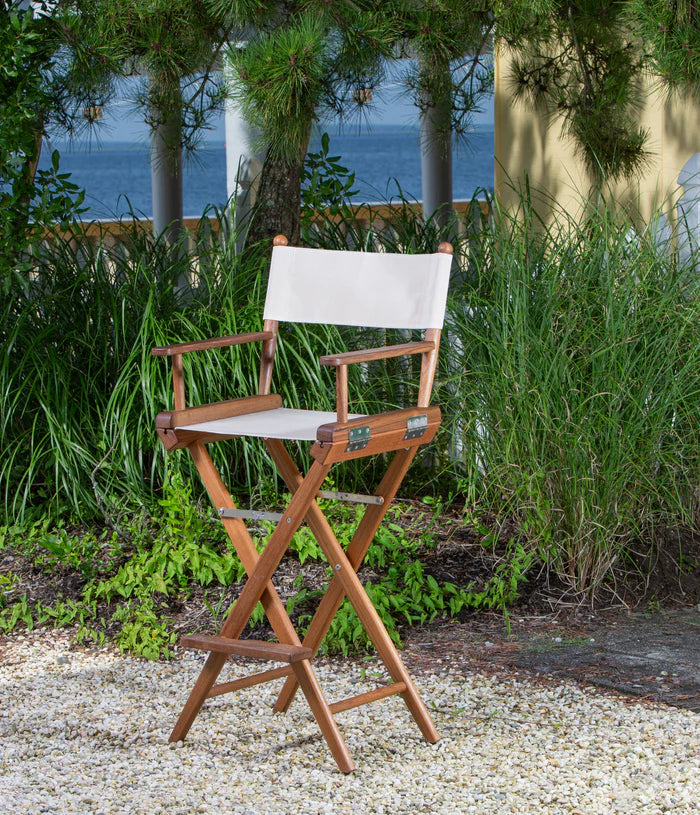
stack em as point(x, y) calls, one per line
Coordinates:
point(578, 389)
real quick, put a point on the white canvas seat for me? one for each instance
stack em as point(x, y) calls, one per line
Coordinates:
point(390, 291)
point(278, 423)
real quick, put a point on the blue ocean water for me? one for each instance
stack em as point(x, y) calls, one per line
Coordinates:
point(116, 176)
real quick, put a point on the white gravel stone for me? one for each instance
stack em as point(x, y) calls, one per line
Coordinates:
point(86, 732)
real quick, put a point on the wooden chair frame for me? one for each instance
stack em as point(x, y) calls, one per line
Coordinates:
point(401, 431)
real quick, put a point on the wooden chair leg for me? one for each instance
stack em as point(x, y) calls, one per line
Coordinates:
point(372, 623)
point(198, 694)
point(274, 608)
point(364, 534)
point(309, 684)
point(346, 582)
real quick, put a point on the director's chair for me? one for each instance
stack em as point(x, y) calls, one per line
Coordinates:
point(331, 287)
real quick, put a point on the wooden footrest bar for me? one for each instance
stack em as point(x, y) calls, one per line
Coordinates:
point(257, 649)
point(370, 696)
point(250, 681)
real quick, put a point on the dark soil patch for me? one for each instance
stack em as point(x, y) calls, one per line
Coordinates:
point(649, 656)
point(663, 574)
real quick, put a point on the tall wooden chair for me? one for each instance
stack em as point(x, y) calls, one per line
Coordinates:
point(330, 287)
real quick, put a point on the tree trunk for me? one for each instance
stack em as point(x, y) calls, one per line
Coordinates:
point(17, 227)
point(278, 202)
point(436, 160)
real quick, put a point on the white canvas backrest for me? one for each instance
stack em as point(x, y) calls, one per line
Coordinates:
point(377, 290)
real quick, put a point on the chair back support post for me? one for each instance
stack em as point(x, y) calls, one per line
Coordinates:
point(429, 358)
point(267, 357)
point(428, 366)
point(180, 402)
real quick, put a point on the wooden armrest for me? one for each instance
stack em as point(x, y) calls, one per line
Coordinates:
point(370, 354)
point(341, 362)
point(171, 419)
point(214, 342)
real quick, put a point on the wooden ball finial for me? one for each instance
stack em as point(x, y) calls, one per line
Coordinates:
point(446, 248)
point(280, 240)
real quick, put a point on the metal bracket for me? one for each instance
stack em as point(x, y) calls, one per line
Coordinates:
point(416, 426)
point(358, 438)
point(352, 497)
point(254, 514)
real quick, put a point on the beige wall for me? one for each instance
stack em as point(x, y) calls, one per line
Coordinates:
point(527, 141)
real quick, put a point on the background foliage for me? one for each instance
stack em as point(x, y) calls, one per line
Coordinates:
point(569, 381)
point(570, 372)
point(35, 78)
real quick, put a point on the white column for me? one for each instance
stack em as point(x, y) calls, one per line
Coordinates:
point(689, 210)
point(243, 164)
point(436, 155)
point(436, 162)
point(244, 158)
point(166, 179)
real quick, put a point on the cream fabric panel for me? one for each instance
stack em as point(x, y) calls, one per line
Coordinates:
point(357, 288)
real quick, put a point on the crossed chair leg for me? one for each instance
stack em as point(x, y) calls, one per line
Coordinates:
point(345, 583)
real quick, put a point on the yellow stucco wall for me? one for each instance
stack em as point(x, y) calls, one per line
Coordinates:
point(526, 141)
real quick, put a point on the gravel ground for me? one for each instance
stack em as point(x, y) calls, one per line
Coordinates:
point(86, 732)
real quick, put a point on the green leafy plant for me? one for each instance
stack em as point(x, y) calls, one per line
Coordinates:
point(327, 186)
point(143, 630)
point(58, 547)
point(8, 582)
point(21, 612)
point(31, 201)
